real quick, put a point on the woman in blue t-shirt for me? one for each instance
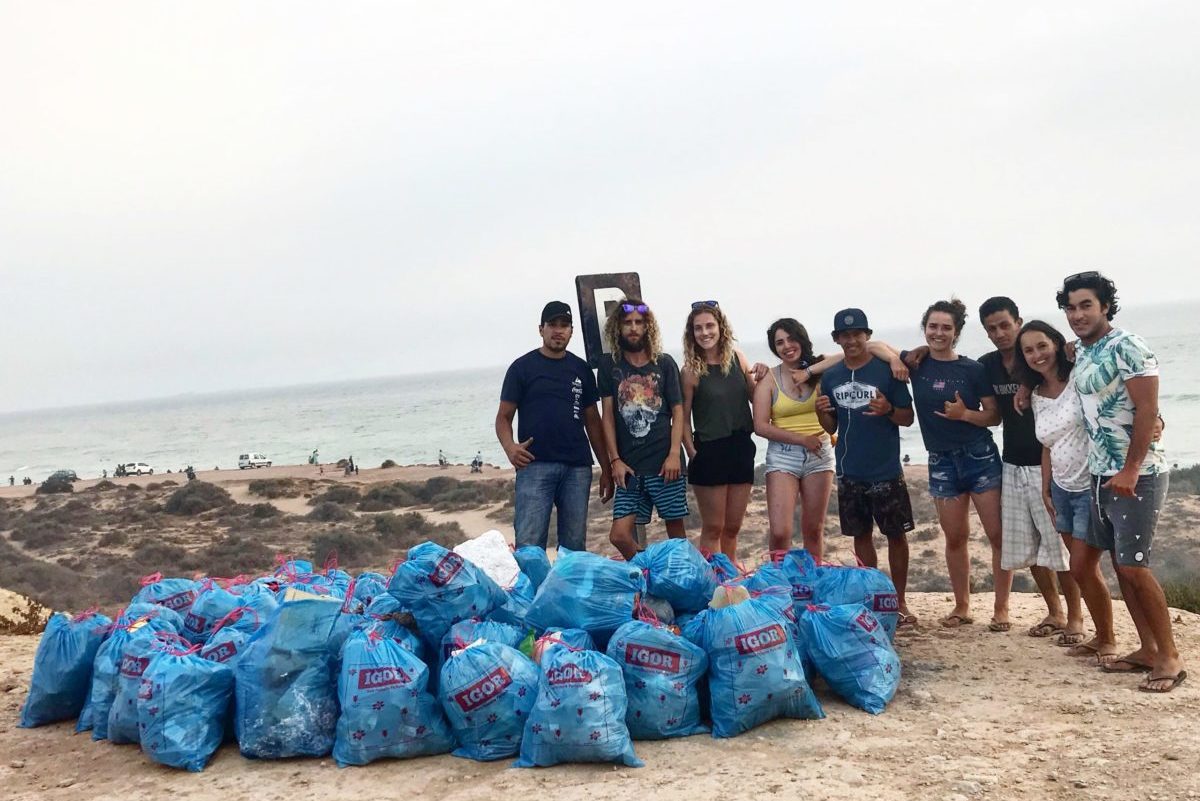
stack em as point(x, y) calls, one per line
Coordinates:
point(955, 405)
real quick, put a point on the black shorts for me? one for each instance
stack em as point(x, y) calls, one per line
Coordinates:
point(729, 460)
point(885, 502)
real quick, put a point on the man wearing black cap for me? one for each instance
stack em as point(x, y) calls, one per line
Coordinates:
point(555, 394)
point(865, 404)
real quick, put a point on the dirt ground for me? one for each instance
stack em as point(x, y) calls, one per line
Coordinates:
point(978, 716)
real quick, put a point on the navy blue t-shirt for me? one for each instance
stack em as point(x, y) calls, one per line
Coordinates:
point(551, 396)
point(868, 447)
point(934, 383)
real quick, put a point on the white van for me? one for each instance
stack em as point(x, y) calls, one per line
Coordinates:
point(250, 460)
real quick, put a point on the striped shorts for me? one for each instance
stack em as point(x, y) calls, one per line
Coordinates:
point(1029, 537)
point(642, 494)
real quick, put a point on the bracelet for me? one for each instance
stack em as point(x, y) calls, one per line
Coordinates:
point(611, 462)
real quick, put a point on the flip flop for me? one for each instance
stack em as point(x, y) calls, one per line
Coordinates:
point(907, 621)
point(1044, 629)
point(1175, 680)
point(954, 621)
point(1083, 649)
point(1067, 638)
point(1134, 667)
point(1000, 626)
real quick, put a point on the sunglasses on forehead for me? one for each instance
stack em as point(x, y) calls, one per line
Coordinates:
point(701, 304)
point(640, 308)
point(1085, 276)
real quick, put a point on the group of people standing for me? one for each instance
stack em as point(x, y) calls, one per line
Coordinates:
point(1080, 473)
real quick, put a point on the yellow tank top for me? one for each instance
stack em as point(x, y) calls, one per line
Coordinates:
point(796, 416)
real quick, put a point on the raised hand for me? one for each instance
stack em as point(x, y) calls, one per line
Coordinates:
point(878, 407)
point(955, 409)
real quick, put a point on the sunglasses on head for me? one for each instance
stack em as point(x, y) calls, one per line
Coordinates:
point(1085, 276)
point(700, 304)
point(640, 308)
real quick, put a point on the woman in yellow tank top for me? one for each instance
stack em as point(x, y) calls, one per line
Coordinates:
point(800, 459)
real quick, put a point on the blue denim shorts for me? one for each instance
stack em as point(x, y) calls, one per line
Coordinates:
point(543, 486)
point(974, 468)
point(1072, 511)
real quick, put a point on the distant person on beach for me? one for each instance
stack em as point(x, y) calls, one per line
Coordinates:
point(442, 461)
point(1116, 376)
point(643, 425)
point(955, 405)
point(12, 481)
point(1028, 537)
point(313, 457)
point(27, 481)
point(553, 395)
point(477, 462)
point(718, 383)
point(865, 405)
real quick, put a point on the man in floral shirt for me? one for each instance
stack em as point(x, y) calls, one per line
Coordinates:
point(1116, 376)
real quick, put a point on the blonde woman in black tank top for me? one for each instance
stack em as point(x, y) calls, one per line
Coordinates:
point(718, 383)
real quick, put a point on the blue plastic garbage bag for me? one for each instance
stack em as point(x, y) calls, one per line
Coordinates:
point(754, 668)
point(837, 585)
point(382, 605)
point(368, 587)
point(573, 639)
point(107, 665)
point(136, 655)
point(764, 578)
point(62, 668)
point(579, 714)
point(465, 632)
point(393, 629)
point(285, 682)
point(440, 588)
point(183, 706)
point(678, 573)
point(852, 652)
point(487, 691)
point(723, 567)
point(230, 635)
point(586, 591)
point(212, 603)
point(258, 597)
point(175, 594)
point(387, 709)
point(167, 616)
point(291, 568)
point(534, 563)
point(662, 672)
point(517, 599)
point(801, 572)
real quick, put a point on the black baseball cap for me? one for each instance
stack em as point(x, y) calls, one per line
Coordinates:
point(555, 309)
point(850, 320)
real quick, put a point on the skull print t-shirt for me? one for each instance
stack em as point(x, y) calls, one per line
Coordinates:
point(643, 398)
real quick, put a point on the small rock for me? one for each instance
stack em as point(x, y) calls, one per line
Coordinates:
point(622, 775)
point(968, 788)
point(17, 764)
point(922, 696)
point(1080, 784)
point(66, 782)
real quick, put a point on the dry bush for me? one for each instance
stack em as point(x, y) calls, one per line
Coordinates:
point(104, 485)
point(387, 463)
point(353, 548)
point(196, 497)
point(113, 538)
point(278, 487)
point(411, 528)
point(338, 493)
point(329, 512)
point(53, 486)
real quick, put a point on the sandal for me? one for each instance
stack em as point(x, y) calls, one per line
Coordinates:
point(907, 621)
point(1133, 667)
point(954, 621)
point(1000, 626)
point(1084, 649)
point(1045, 629)
point(1175, 680)
point(1066, 638)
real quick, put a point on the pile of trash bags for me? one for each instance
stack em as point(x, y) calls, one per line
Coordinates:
point(477, 651)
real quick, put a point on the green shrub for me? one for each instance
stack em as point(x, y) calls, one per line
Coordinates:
point(196, 497)
point(277, 487)
point(338, 493)
point(113, 538)
point(329, 512)
point(53, 486)
point(104, 485)
point(1185, 481)
point(387, 463)
point(1183, 595)
point(353, 548)
point(411, 528)
point(234, 555)
point(382, 497)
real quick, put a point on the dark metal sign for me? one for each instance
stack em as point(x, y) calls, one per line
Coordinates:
point(597, 295)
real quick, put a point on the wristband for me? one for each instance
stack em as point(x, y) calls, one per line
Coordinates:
point(611, 462)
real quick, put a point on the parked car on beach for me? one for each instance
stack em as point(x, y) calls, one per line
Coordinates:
point(252, 460)
point(65, 475)
point(134, 469)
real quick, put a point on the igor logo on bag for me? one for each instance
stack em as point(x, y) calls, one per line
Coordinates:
point(481, 692)
point(220, 653)
point(568, 674)
point(867, 621)
point(146, 690)
point(763, 639)
point(652, 658)
point(376, 678)
point(885, 602)
point(446, 569)
point(193, 622)
point(179, 600)
point(802, 592)
point(134, 666)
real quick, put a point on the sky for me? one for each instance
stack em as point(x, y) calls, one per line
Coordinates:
point(203, 196)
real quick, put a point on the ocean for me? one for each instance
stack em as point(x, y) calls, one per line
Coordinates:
point(409, 418)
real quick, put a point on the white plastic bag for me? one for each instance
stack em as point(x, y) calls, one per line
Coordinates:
point(491, 554)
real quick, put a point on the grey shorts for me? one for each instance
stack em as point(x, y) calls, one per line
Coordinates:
point(1124, 525)
point(798, 461)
